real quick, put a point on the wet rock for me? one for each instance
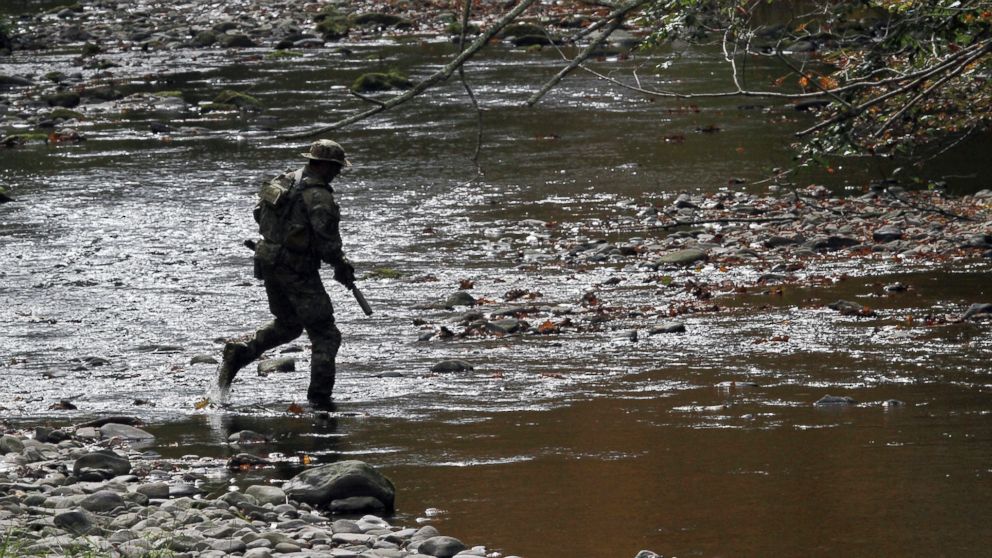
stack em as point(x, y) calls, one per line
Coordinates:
point(895, 288)
point(887, 234)
point(682, 257)
point(155, 490)
point(356, 505)
point(668, 327)
point(66, 99)
point(203, 359)
point(383, 20)
point(235, 98)
point(460, 298)
point(831, 400)
point(684, 201)
point(266, 494)
point(976, 310)
point(506, 326)
point(282, 364)
point(76, 522)
point(115, 430)
point(247, 437)
point(204, 39)
point(441, 547)
point(7, 81)
point(848, 308)
point(183, 491)
point(647, 554)
point(101, 465)
point(892, 403)
point(778, 241)
point(336, 481)
point(446, 366)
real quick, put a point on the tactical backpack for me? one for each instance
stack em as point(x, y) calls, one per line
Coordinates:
point(283, 240)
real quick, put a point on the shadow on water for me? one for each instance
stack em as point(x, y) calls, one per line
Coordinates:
point(121, 261)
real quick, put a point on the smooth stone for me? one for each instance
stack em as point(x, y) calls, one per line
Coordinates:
point(158, 490)
point(286, 548)
point(282, 364)
point(683, 257)
point(356, 504)
point(76, 522)
point(668, 327)
point(441, 547)
point(345, 526)
point(102, 501)
point(257, 553)
point(976, 309)
point(266, 494)
point(10, 444)
point(115, 430)
point(887, 234)
point(353, 538)
point(455, 365)
point(104, 464)
point(247, 437)
point(460, 298)
point(202, 359)
point(229, 546)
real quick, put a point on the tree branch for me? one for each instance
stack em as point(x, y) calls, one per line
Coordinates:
point(582, 57)
point(435, 78)
point(466, 14)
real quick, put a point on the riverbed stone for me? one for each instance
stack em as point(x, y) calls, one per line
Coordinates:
point(264, 494)
point(76, 522)
point(667, 327)
point(10, 444)
point(115, 430)
point(335, 481)
point(159, 490)
point(834, 400)
point(887, 234)
point(685, 257)
point(460, 298)
point(102, 502)
point(357, 504)
point(454, 365)
point(441, 547)
point(101, 465)
point(281, 364)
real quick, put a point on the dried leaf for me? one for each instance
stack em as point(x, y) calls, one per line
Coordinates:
point(201, 404)
point(295, 409)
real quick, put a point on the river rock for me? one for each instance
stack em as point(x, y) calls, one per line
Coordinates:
point(976, 309)
point(848, 308)
point(197, 359)
point(830, 400)
point(115, 430)
point(460, 298)
point(76, 522)
point(244, 460)
point(102, 502)
point(668, 327)
point(446, 366)
point(101, 465)
point(322, 485)
point(156, 490)
point(357, 504)
point(14, 81)
point(10, 444)
point(831, 243)
point(236, 40)
point(264, 494)
point(682, 257)
point(247, 437)
point(887, 234)
point(441, 547)
point(281, 364)
point(647, 554)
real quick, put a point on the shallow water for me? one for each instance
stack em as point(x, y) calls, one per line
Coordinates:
point(127, 248)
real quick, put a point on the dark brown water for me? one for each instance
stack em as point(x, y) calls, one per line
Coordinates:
point(127, 247)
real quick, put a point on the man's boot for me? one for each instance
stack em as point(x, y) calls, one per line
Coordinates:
point(236, 357)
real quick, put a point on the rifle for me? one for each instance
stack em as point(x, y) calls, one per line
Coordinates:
point(355, 291)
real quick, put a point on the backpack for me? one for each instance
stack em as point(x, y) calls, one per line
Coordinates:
point(276, 200)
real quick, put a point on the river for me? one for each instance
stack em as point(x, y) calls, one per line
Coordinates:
point(122, 259)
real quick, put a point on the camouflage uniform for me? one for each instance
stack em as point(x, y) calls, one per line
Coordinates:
point(288, 258)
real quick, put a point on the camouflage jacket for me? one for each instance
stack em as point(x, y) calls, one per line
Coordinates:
point(305, 230)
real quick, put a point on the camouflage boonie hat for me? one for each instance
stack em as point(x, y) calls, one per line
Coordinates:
point(327, 150)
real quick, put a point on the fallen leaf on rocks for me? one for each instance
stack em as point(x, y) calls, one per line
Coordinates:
point(62, 406)
point(548, 328)
point(201, 404)
point(466, 284)
point(294, 409)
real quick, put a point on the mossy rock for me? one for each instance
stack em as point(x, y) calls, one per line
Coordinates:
point(29, 137)
point(378, 81)
point(238, 99)
point(103, 93)
point(5, 195)
point(67, 99)
point(74, 6)
point(56, 77)
point(384, 273)
point(177, 94)
point(531, 40)
point(333, 28)
point(376, 19)
point(90, 50)
point(66, 114)
point(218, 107)
point(204, 39)
point(239, 40)
point(281, 54)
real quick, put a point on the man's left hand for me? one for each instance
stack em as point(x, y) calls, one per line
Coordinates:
point(344, 273)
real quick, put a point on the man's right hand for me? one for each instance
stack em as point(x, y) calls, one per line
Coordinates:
point(344, 273)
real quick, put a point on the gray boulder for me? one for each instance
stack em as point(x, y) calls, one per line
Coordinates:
point(682, 257)
point(322, 485)
point(461, 298)
point(75, 522)
point(282, 364)
point(887, 234)
point(668, 327)
point(10, 444)
point(115, 430)
point(101, 465)
point(265, 494)
point(441, 547)
point(832, 400)
point(102, 502)
point(451, 366)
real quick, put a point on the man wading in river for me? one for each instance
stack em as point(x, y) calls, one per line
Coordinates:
point(298, 220)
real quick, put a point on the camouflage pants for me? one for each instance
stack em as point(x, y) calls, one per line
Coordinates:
point(299, 302)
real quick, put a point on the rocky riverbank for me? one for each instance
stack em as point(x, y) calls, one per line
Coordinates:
point(88, 491)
